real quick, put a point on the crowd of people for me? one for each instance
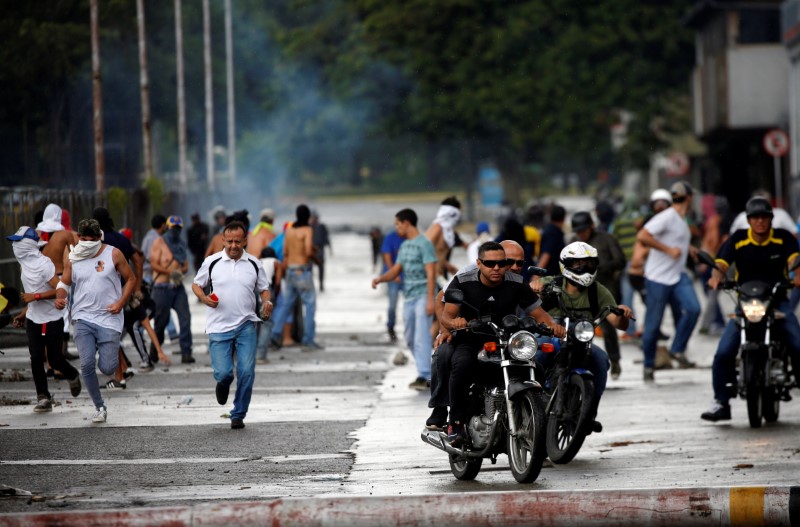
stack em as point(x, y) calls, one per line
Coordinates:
point(94, 285)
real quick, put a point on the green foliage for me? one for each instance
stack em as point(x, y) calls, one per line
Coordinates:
point(156, 194)
point(117, 203)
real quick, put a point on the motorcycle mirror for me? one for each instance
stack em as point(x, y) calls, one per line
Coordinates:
point(510, 322)
point(706, 259)
point(453, 296)
point(537, 271)
point(527, 323)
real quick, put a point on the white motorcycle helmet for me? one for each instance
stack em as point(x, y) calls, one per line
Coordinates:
point(661, 193)
point(578, 262)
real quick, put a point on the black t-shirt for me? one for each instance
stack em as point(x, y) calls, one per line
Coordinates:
point(495, 301)
point(552, 243)
point(118, 240)
point(767, 262)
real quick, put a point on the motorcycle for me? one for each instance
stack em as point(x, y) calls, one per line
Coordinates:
point(763, 370)
point(508, 409)
point(571, 406)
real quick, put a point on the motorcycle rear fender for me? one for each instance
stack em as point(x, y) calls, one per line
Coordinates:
point(515, 388)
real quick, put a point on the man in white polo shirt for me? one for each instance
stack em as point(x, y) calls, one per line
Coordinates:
point(228, 282)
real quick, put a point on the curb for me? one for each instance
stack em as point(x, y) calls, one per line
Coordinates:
point(682, 506)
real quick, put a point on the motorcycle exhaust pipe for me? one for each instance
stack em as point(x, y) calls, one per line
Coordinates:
point(435, 438)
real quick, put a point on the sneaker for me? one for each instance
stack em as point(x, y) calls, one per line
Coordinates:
point(419, 384)
point(262, 361)
point(128, 375)
point(75, 386)
point(100, 415)
point(648, 376)
point(237, 424)
point(222, 393)
point(114, 384)
point(392, 335)
point(312, 346)
point(662, 335)
point(682, 361)
point(457, 434)
point(44, 405)
point(275, 343)
point(438, 419)
point(187, 359)
point(718, 412)
point(400, 359)
point(616, 369)
point(146, 367)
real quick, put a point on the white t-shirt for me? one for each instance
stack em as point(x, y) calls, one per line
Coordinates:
point(671, 229)
point(235, 283)
point(41, 311)
point(780, 220)
point(269, 269)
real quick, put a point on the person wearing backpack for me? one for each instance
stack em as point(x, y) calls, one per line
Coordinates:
point(229, 283)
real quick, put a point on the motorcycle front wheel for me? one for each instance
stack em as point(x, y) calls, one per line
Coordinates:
point(754, 405)
point(527, 450)
point(465, 469)
point(770, 404)
point(569, 419)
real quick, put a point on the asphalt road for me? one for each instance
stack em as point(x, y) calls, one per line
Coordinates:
point(343, 422)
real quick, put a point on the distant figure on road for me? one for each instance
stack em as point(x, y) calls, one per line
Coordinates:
point(321, 240)
point(298, 281)
point(389, 249)
point(233, 278)
point(442, 234)
point(197, 239)
point(417, 261)
point(99, 297)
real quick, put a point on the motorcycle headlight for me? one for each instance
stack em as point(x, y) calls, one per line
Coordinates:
point(522, 345)
point(754, 310)
point(584, 331)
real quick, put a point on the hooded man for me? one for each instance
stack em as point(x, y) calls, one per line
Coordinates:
point(442, 234)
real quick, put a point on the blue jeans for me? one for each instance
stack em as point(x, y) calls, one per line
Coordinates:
point(723, 369)
point(298, 282)
point(166, 298)
point(418, 333)
point(91, 339)
point(394, 289)
point(598, 364)
point(221, 350)
point(264, 334)
point(685, 310)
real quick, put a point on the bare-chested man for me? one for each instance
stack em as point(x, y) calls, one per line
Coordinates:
point(298, 255)
point(442, 234)
point(262, 234)
point(58, 238)
point(169, 259)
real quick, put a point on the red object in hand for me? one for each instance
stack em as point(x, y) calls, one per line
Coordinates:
point(213, 296)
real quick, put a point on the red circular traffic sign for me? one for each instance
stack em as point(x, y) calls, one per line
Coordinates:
point(678, 164)
point(776, 143)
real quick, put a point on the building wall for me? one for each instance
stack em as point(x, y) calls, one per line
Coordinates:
point(758, 86)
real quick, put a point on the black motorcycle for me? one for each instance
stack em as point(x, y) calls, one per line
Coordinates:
point(763, 370)
point(572, 406)
point(508, 408)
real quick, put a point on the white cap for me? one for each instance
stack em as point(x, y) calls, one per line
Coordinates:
point(661, 193)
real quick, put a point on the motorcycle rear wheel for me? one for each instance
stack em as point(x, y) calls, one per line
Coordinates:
point(568, 423)
point(527, 451)
point(465, 469)
point(770, 404)
point(754, 405)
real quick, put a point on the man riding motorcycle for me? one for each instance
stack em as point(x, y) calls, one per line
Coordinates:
point(580, 292)
point(760, 253)
point(488, 290)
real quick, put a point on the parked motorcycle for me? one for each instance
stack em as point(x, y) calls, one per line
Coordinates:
point(508, 408)
point(763, 370)
point(571, 408)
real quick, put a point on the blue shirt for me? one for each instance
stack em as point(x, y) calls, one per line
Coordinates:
point(391, 245)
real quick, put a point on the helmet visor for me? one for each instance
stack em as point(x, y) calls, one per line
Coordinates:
point(582, 266)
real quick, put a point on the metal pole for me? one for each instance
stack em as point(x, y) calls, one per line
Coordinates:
point(209, 96)
point(181, 97)
point(145, 92)
point(229, 75)
point(778, 181)
point(97, 102)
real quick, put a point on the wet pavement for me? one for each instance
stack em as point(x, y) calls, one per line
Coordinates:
point(343, 422)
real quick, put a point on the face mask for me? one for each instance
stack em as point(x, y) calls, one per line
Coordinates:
point(174, 235)
point(84, 249)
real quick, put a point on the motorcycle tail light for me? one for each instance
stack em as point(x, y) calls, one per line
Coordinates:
point(547, 347)
point(490, 347)
point(754, 310)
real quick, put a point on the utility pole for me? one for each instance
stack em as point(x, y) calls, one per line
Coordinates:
point(144, 85)
point(229, 75)
point(97, 102)
point(209, 96)
point(181, 97)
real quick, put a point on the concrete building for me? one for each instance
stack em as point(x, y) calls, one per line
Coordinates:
point(791, 38)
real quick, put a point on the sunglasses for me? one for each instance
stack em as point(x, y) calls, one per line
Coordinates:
point(491, 264)
point(585, 266)
point(519, 263)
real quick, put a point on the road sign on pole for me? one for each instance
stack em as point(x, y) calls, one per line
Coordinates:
point(677, 164)
point(776, 143)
